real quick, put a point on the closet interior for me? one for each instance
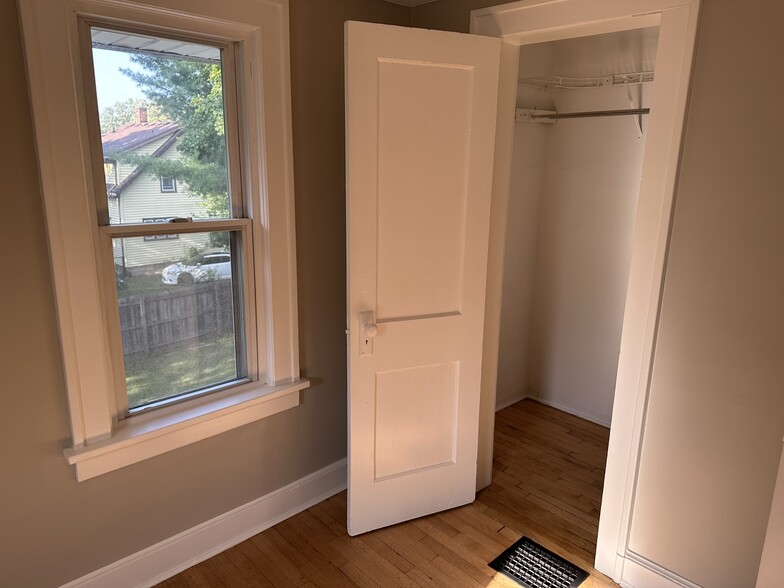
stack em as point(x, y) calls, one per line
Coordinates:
point(582, 110)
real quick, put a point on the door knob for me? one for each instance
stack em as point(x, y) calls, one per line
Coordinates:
point(369, 329)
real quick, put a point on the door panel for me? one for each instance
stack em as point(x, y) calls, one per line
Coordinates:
point(418, 195)
point(420, 116)
point(415, 418)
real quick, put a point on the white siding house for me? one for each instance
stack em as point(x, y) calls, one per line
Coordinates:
point(135, 197)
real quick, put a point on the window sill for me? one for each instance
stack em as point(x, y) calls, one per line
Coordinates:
point(139, 438)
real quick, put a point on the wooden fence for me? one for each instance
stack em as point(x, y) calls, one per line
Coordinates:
point(175, 316)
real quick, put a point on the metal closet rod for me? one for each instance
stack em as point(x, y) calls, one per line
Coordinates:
point(594, 113)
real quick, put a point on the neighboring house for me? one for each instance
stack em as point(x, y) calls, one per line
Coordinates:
point(137, 196)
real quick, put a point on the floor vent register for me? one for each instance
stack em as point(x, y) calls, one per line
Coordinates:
point(531, 565)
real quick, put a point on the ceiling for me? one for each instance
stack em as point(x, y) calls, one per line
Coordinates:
point(410, 2)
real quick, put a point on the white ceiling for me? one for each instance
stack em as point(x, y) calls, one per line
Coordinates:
point(410, 2)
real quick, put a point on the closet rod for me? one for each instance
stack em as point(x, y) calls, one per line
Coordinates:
point(593, 114)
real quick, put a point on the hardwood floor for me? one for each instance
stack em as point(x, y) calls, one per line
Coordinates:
point(547, 484)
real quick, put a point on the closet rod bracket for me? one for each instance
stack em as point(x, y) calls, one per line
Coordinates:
point(533, 115)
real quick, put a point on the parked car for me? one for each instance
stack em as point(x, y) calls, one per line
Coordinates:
point(204, 268)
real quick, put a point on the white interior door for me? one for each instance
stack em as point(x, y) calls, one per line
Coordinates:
point(420, 126)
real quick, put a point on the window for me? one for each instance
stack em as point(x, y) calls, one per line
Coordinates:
point(158, 219)
point(177, 310)
point(168, 184)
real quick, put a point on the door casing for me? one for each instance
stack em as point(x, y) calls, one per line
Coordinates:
point(538, 21)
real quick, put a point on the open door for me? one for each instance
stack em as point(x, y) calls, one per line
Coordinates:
point(420, 126)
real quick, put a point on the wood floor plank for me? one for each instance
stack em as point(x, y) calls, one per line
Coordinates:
point(326, 576)
point(200, 576)
point(401, 539)
point(276, 562)
point(457, 554)
point(548, 472)
point(371, 563)
point(247, 570)
point(283, 544)
point(389, 554)
point(223, 567)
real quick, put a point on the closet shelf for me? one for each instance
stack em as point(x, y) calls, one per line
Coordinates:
point(567, 83)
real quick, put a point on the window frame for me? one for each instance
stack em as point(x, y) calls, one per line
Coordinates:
point(249, 365)
point(80, 248)
point(173, 184)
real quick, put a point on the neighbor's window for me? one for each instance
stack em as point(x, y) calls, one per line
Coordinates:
point(168, 184)
point(181, 304)
point(159, 219)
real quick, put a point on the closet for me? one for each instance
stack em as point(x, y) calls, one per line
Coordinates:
point(577, 163)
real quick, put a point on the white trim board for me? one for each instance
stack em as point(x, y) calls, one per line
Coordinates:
point(531, 395)
point(510, 401)
point(567, 409)
point(639, 572)
point(169, 557)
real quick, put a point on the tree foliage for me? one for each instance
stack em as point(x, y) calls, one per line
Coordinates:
point(189, 93)
point(124, 112)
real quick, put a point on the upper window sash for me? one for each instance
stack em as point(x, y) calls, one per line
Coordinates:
point(54, 57)
point(232, 102)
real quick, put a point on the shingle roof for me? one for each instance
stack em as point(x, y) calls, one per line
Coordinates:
point(114, 191)
point(134, 135)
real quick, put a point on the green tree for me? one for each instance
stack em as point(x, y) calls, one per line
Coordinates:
point(189, 93)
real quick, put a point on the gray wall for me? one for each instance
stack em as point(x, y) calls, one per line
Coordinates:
point(52, 529)
point(716, 414)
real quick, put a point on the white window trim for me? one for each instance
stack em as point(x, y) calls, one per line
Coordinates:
point(100, 442)
point(173, 182)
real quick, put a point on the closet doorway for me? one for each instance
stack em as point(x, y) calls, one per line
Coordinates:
point(579, 140)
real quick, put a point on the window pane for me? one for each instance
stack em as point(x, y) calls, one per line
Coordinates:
point(161, 108)
point(177, 314)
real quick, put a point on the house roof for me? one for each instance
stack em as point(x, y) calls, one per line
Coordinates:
point(135, 135)
point(114, 191)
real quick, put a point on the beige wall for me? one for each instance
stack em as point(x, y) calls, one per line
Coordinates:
point(522, 233)
point(522, 230)
point(716, 414)
point(52, 529)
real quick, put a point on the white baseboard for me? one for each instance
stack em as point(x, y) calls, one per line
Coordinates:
point(169, 557)
point(510, 401)
point(639, 572)
point(578, 413)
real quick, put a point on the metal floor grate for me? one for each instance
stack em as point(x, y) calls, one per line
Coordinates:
point(531, 565)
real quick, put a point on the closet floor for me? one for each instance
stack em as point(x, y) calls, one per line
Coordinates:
point(547, 483)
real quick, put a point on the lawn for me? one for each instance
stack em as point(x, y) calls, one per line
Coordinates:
point(143, 283)
point(195, 364)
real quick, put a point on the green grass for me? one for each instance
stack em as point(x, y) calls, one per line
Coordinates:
point(156, 375)
point(142, 284)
